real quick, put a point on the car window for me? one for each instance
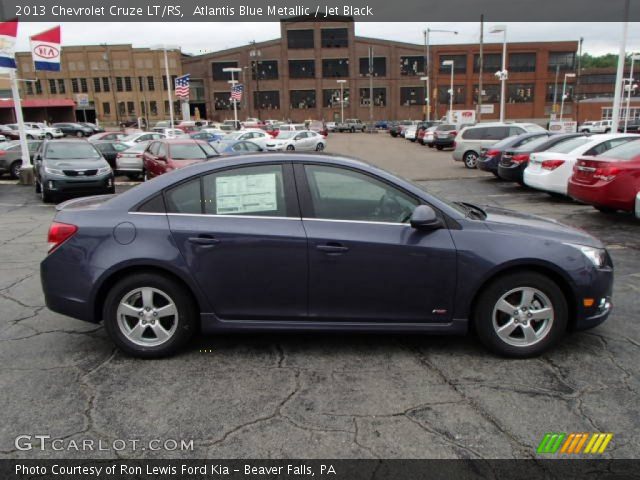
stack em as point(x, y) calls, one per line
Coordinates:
point(498, 133)
point(342, 194)
point(255, 190)
point(153, 148)
point(569, 144)
point(185, 198)
point(162, 150)
point(625, 152)
point(119, 147)
point(104, 147)
point(474, 133)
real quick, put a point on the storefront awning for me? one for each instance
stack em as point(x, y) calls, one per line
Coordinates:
point(44, 103)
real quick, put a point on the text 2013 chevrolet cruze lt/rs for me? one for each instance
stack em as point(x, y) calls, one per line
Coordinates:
point(295, 242)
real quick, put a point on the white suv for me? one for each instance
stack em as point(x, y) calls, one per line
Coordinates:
point(49, 132)
point(603, 126)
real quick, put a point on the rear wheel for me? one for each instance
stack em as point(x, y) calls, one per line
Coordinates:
point(353, 129)
point(14, 169)
point(79, 134)
point(45, 194)
point(470, 159)
point(149, 315)
point(439, 147)
point(319, 147)
point(521, 315)
point(290, 148)
point(48, 136)
point(134, 176)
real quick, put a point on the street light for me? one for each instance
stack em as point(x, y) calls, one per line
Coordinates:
point(427, 67)
point(564, 88)
point(502, 74)
point(341, 82)
point(630, 87)
point(166, 72)
point(233, 82)
point(450, 63)
point(256, 53)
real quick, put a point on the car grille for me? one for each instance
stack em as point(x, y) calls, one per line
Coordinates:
point(80, 173)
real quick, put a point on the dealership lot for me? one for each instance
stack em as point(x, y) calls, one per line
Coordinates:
point(319, 396)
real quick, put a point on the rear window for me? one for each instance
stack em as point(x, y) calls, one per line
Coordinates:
point(441, 128)
point(535, 143)
point(569, 145)
point(625, 152)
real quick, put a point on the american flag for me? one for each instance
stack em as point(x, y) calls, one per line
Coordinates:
point(182, 86)
point(236, 92)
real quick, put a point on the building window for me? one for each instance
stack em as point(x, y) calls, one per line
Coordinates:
point(96, 85)
point(151, 84)
point(75, 88)
point(29, 86)
point(522, 62)
point(335, 68)
point(331, 97)
point(196, 90)
point(121, 108)
point(459, 94)
point(52, 86)
point(266, 69)
point(38, 87)
point(491, 62)
point(153, 106)
point(140, 84)
point(459, 63)
point(607, 79)
point(564, 60)
point(164, 81)
point(412, 66)
point(61, 86)
point(83, 85)
point(300, 39)
point(269, 100)
point(491, 93)
point(379, 97)
point(105, 84)
point(217, 71)
point(411, 96)
point(131, 108)
point(301, 99)
point(557, 89)
point(520, 93)
point(106, 108)
point(222, 101)
point(302, 68)
point(379, 66)
point(127, 84)
point(119, 86)
point(334, 37)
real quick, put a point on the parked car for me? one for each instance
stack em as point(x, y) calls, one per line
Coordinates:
point(252, 122)
point(382, 124)
point(232, 124)
point(551, 169)
point(602, 126)
point(3, 138)
point(585, 126)
point(206, 136)
point(30, 133)
point(9, 133)
point(633, 126)
point(110, 150)
point(206, 240)
point(255, 135)
point(92, 126)
point(162, 156)
point(162, 124)
point(470, 140)
point(134, 138)
point(107, 136)
point(514, 161)
point(609, 182)
point(331, 126)
point(422, 129)
point(291, 127)
point(49, 132)
point(428, 137)
point(238, 147)
point(170, 133)
point(318, 127)
point(304, 140)
point(490, 156)
point(351, 125)
point(74, 129)
point(444, 136)
point(410, 133)
point(11, 156)
point(130, 162)
point(70, 167)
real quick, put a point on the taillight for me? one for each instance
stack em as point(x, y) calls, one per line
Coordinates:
point(60, 233)
point(491, 153)
point(551, 164)
point(520, 158)
point(2, 152)
point(606, 173)
point(453, 133)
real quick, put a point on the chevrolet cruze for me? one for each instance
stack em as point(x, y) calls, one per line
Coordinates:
point(295, 242)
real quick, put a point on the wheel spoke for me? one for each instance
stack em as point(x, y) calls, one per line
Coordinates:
point(505, 307)
point(541, 314)
point(527, 297)
point(147, 298)
point(136, 332)
point(129, 310)
point(161, 334)
point(530, 335)
point(507, 329)
point(167, 311)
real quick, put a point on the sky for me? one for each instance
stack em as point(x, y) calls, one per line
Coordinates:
point(195, 38)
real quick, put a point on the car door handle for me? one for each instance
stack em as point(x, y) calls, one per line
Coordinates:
point(204, 240)
point(332, 248)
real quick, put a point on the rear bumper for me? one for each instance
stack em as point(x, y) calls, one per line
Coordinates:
point(603, 194)
point(489, 164)
point(443, 142)
point(513, 173)
point(545, 180)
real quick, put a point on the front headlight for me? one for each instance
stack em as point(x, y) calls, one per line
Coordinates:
point(104, 170)
point(597, 256)
point(53, 171)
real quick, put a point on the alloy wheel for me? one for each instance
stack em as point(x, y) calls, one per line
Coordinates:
point(470, 159)
point(319, 147)
point(523, 316)
point(147, 316)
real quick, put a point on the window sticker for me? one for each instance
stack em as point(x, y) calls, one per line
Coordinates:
point(246, 194)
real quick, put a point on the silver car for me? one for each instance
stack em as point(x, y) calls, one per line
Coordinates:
point(129, 161)
point(471, 140)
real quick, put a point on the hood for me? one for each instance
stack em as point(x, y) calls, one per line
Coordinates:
point(509, 221)
point(79, 164)
point(84, 203)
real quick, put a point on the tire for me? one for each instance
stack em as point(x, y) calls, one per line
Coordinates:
point(79, 134)
point(439, 147)
point(607, 130)
point(38, 189)
point(545, 332)
point(134, 176)
point(150, 342)
point(495, 174)
point(111, 190)
point(145, 177)
point(48, 136)
point(353, 130)
point(319, 147)
point(364, 129)
point(470, 159)
point(46, 195)
point(291, 148)
point(14, 169)
point(607, 210)
point(29, 137)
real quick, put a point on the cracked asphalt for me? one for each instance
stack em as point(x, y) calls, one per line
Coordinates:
point(319, 396)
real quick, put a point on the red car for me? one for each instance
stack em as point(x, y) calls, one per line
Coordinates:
point(610, 183)
point(162, 156)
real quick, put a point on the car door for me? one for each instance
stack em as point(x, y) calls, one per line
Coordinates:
point(300, 141)
point(365, 261)
point(240, 232)
point(150, 160)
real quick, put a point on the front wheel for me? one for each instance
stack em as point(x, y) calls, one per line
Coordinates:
point(470, 159)
point(48, 136)
point(319, 147)
point(291, 148)
point(79, 134)
point(521, 315)
point(14, 169)
point(149, 315)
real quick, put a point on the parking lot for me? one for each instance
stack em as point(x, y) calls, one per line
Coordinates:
point(319, 396)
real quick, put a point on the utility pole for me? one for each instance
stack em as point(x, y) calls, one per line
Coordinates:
point(615, 114)
point(256, 53)
point(578, 74)
point(112, 84)
point(555, 94)
point(481, 68)
point(371, 89)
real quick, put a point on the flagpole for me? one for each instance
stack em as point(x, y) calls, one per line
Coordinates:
point(169, 86)
point(26, 171)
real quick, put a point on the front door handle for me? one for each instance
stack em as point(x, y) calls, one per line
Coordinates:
point(204, 240)
point(332, 248)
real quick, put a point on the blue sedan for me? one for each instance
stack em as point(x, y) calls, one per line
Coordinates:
point(236, 147)
point(295, 242)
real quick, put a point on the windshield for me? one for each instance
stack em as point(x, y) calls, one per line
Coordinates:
point(626, 151)
point(138, 147)
point(71, 151)
point(130, 138)
point(190, 151)
point(569, 145)
point(535, 143)
point(287, 134)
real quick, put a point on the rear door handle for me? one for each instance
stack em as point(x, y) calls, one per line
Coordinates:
point(204, 240)
point(332, 248)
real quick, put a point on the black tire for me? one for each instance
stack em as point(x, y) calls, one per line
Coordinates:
point(363, 129)
point(353, 130)
point(79, 134)
point(29, 137)
point(48, 136)
point(319, 147)
point(484, 311)
point(495, 174)
point(607, 210)
point(134, 176)
point(439, 147)
point(46, 195)
point(607, 130)
point(14, 169)
point(111, 190)
point(37, 186)
point(470, 159)
point(186, 318)
point(291, 148)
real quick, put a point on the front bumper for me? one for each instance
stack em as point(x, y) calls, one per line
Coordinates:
point(79, 184)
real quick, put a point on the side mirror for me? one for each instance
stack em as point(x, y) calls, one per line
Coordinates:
point(425, 218)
